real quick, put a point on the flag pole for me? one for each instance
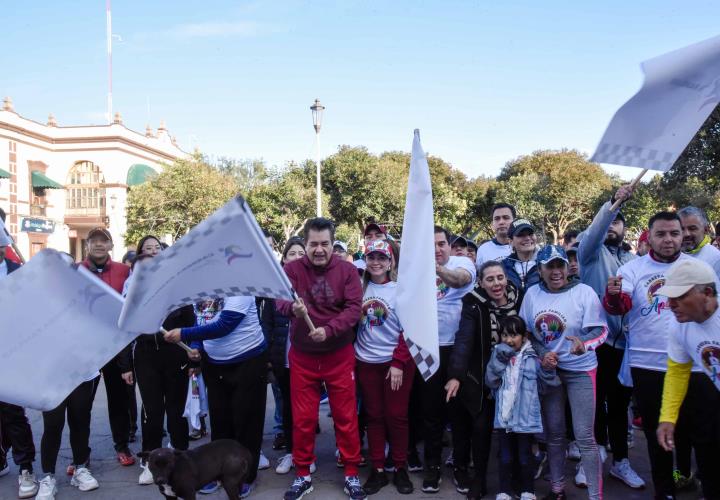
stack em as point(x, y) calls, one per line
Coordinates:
point(306, 316)
point(187, 348)
point(634, 183)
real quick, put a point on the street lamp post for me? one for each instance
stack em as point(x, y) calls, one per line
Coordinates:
point(317, 112)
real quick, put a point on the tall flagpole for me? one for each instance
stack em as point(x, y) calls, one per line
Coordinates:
point(109, 53)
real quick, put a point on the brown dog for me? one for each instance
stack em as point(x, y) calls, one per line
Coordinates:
point(183, 473)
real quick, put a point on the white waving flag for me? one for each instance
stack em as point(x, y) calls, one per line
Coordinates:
point(653, 128)
point(416, 303)
point(223, 256)
point(59, 328)
point(5, 238)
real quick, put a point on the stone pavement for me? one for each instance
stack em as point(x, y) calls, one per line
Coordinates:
point(117, 482)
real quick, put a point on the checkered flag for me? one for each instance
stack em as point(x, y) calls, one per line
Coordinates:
point(426, 364)
point(226, 255)
point(653, 128)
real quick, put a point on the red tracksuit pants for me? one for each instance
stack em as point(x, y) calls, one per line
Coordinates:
point(337, 370)
point(386, 411)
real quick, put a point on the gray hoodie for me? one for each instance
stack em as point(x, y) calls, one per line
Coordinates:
point(599, 261)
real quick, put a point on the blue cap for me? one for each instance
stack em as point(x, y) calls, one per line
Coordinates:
point(548, 253)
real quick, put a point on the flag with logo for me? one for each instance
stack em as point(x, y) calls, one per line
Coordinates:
point(5, 238)
point(225, 255)
point(416, 302)
point(653, 128)
point(59, 329)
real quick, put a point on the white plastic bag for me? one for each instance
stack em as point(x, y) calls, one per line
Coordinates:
point(196, 403)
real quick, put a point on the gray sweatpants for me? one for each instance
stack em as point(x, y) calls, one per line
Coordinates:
point(579, 388)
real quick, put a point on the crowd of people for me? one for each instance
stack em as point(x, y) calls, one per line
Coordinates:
point(556, 350)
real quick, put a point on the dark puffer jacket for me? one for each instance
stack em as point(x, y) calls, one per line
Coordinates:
point(275, 328)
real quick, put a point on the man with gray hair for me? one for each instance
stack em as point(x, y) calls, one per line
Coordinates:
point(696, 237)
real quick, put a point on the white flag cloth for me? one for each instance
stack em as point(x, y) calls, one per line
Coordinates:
point(59, 329)
point(5, 238)
point(224, 256)
point(653, 128)
point(416, 302)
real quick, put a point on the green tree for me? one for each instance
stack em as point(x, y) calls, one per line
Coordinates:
point(180, 197)
point(248, 173)
point(557, 190)
point(285, 200)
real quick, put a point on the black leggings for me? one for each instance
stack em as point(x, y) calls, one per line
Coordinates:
point(283, 379)
point(78, 406)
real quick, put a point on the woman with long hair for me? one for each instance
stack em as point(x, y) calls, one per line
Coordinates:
point(384, 369)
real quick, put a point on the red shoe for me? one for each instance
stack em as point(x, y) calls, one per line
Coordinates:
point(637, 423)
point(125, 458)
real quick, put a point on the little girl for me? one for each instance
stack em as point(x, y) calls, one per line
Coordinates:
point(514, 372)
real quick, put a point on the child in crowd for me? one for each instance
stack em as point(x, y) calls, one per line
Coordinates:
point(514, 372)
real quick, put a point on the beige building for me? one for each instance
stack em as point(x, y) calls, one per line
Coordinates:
point(57, 183)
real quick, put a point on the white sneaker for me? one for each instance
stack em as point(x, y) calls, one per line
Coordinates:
point(83, 480)
point(528, 496)
point(28, 485)
point(580, 478)
point(621, 470)
point(47, 488)
point(146, 476)
point(603, 453)
point(264, 463)
point(573, 451)
point(284, 465)
point(503, 496)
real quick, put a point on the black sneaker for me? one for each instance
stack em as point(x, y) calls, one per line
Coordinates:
point(413, 461)
point(377, 480)
point(279, 443)
point(431, 479)
point(354, 490)
point(402, 482)
point(461, 480)
point(298, 489)
point(555, 496)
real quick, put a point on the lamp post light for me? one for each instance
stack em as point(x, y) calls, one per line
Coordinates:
point(317, 112)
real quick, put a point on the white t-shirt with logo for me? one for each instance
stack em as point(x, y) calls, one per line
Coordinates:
point(449, 300)
point(697, 342)
point(491, 250)
point(379, 328)
point(710, 256)
point(650, 318)
point(246, 336)
point(552, 317)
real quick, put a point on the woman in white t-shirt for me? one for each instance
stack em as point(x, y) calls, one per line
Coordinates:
point(567, 324)
point(384, 369)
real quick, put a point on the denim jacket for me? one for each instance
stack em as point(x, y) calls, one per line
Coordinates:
point(526, 417)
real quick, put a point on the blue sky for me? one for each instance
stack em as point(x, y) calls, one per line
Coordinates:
point(484, 81)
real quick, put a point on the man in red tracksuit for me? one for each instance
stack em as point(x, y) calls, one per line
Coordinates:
point(331, 294)
point(115, 374)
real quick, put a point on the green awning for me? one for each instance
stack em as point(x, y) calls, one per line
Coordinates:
point(4, 174)
point(139, 174)
point(40, 180)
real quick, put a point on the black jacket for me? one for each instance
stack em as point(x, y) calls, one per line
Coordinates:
point(179, 318)
point(473, 346)
point(275, 327)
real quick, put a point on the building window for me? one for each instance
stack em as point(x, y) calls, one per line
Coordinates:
point(85, 190)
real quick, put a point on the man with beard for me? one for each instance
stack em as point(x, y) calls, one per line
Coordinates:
point(696, 237)
point(633, 292)
point(600, 255)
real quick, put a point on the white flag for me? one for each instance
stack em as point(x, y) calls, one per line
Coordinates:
point(5, 238)
point(59, 328)
point(223, 256)
point(416, 302)
point(653, 128)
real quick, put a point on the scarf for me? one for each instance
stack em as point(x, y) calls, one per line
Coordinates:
point(510, 383)
point(706, 241)
point(496, 312)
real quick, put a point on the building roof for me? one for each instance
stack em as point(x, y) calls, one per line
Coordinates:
point(40, 180)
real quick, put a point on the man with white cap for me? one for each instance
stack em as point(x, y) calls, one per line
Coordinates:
point(694, 338)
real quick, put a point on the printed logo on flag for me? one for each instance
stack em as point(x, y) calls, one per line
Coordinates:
point(550, 326)
point(233, 252)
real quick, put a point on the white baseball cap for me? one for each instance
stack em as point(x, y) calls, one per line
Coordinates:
point(684, 275)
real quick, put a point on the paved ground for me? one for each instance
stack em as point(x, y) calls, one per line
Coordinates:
point(118, 482)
